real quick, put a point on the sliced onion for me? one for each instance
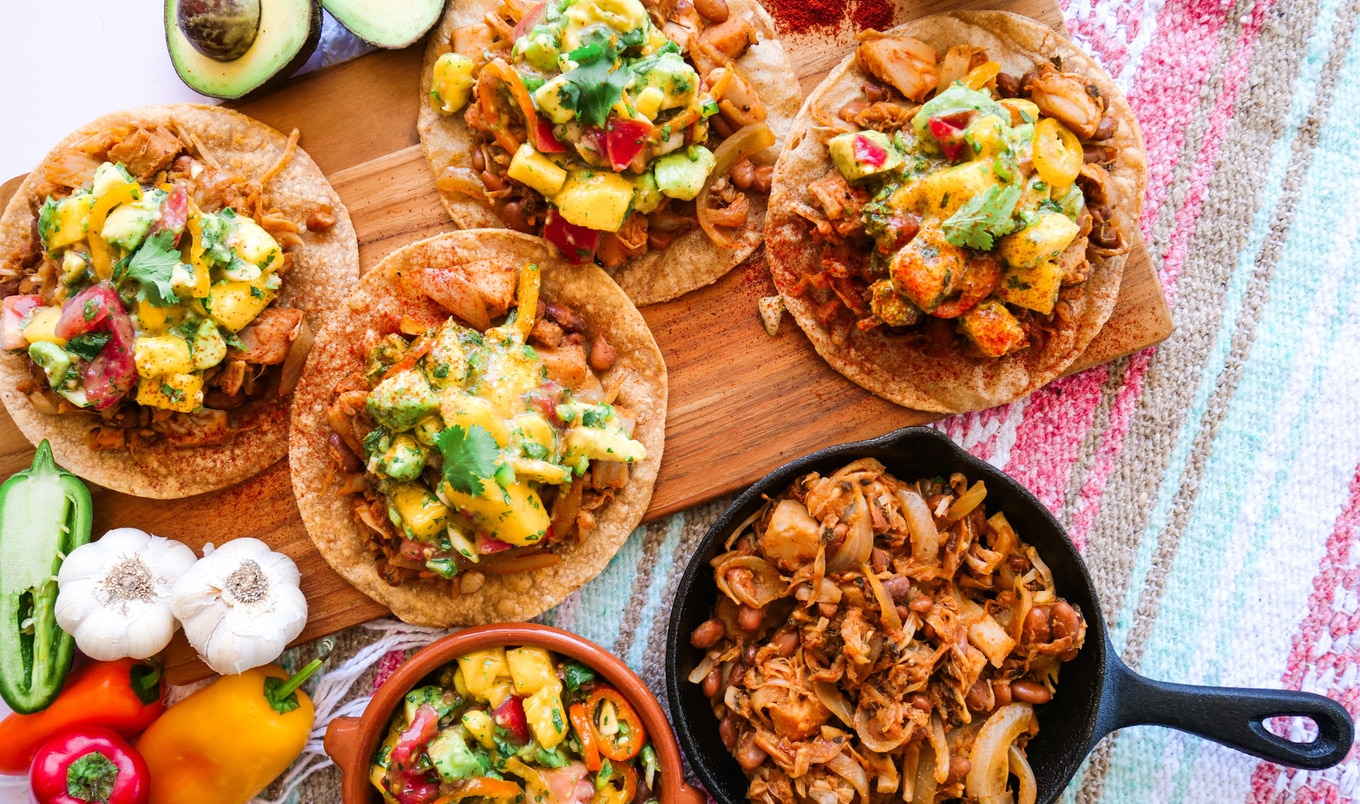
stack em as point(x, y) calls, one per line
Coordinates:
point(701, 672)
point(859, 542)
point(986, 780)
point(885, 772)
point(852, 772)
point(938, 742)
point(45, 403)
point(296, 358)
point(873, 738)
point(746, 142)
point(831, 698)
point(740, 529)
point(463, 181)
point(1019, 765)
point(965, 504)
point(925, 537)
point(769, 586)
point(923, 788)
point(887, 609)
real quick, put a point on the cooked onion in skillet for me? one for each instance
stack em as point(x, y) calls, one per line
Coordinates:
point(881, 640)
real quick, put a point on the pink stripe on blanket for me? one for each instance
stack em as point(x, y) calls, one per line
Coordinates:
point(1328, 624)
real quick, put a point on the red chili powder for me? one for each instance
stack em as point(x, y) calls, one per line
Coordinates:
point(876, 14)
point(805, 16)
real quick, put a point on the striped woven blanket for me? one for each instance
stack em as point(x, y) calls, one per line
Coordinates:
point(1212, 482)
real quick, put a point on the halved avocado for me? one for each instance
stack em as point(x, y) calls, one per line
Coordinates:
point(288, 32)
point(386, 23)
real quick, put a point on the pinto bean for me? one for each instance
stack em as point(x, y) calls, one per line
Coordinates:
point(602, 355)
point(921, 702)
point(478, 160)
point(743, 175)
point(1030, 692)
point(1001, 693)
point(1007, 85)
point(749, 618)
point(492, 182)
point(748, 656)
point(852, 109)
point(707, 634)
point(979, 698)
point(727, 731)
point(321, 219)
point(898, 588)
point(874, 93)
point(749, 755)
point(1106, 128)
point(764, 179)
point(715, 11)
point(512, 215)
point(921, 604)
point(785, 642)
point(712, 682)
point(1036, 629)
point(958, 769)
point(1066, 622)
point(1018, 563)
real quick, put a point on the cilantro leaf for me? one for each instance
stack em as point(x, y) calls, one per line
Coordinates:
point(595, 86)
point(153, 265)
point(469, 456)
point(983, 218)
point(89, 345)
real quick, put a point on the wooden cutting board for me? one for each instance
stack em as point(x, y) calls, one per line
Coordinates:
point(741, 402)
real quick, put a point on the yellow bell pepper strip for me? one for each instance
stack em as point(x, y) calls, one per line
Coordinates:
point(101, 254)
point(619, 735)
point(1057, 153)
point(45, 513)
point(526, 304)
point(228, 741)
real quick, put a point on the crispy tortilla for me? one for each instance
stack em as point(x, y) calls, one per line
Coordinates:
point(382, 299)
point(692, 260)
point(885, 364)
point(324, 269)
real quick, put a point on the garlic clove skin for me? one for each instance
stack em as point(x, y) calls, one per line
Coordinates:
point(114, 594)
point(240, 605)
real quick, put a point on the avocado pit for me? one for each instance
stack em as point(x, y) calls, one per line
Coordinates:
point(222, 30)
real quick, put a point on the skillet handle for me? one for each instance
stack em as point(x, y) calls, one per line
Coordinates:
point(1231, 716)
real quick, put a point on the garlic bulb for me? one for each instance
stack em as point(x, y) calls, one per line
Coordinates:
point(114, 594)
point(240, 605)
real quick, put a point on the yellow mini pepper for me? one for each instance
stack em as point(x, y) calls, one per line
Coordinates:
point(228, 741)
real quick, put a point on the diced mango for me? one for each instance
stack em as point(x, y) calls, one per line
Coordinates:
point(73, 267)
point(513, 513)
point(209, 347)
point(1034, 288)
point(1046, 239)
point(483, 670)
point(458, 407)
point(178, 392)
point(151, 318)
point(549, 100)
point(162, 354)
point(254, 245)
point(451, 82)
point(987, 135)
point(43, 326)
point(531, 669)
point(68, 224)
point(648, 102)
point(537, 171)
point(608, 443)
point(992, 328)
point(482, 728)
point(421, 512)
point(547, 717)
point(596, 199)
point(944, 191)
point(236, 304)
point(1023, 111)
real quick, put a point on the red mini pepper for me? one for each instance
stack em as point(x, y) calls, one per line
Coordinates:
point(124, 695)
point(626, 742)
point(82, 766)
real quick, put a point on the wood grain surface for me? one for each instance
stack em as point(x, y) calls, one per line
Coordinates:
point(741, 402)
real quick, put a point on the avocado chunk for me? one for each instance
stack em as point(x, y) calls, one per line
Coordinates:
point(402, 400)
point(126, 226)
point(452, 758)
point(861, 154)
point(681, 175)
point(287, 33)
point(386, 23)
point(222, 30)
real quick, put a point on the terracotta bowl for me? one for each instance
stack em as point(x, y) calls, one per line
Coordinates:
point(351, 741)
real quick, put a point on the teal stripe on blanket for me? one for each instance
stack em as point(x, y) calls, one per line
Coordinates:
point(596, 610)
point(1212, 536)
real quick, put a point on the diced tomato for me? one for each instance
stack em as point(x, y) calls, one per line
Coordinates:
point(545, 140)
point(14, 316)
point(510, 716)
point(948, 131)
point(577, 243)
point(626, 139)
point(486, 545)
point(415, 789)
point(86, 310)
point(870, 153)
point(113, 372)
point(418, 734)
point(174, 212)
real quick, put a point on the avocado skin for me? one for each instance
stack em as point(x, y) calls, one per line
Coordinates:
point(250, 83)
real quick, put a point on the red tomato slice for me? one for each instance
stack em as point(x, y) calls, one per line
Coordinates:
point(625, 139)
point(577, 243)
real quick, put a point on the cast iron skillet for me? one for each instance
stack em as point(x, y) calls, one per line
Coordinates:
point(1097, 693)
